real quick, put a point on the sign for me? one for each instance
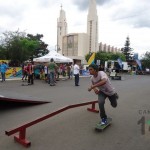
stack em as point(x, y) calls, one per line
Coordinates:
point(13, 72)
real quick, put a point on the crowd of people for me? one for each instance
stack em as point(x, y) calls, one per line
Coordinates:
point(50, 72)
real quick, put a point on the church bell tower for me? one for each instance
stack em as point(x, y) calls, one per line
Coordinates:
point(92, 27)
point(61, 29)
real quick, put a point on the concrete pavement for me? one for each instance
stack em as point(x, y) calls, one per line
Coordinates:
point(74, 128)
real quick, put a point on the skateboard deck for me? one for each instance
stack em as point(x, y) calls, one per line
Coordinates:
point(25, 84)
point(100, 127)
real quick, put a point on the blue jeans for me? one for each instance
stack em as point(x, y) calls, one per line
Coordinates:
point(76, 79)
point(3, 76)
point(51, 78)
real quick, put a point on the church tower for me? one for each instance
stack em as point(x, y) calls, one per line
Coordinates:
point(61, 29)
point(92, 27)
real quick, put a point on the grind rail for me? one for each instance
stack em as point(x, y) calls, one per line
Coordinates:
point(21, 138)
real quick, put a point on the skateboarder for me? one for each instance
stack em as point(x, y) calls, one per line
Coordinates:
point(103, 88)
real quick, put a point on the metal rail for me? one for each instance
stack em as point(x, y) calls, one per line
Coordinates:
point(21, 138)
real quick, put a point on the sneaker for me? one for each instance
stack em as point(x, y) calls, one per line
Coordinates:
point(104, 121)
point(117, 96)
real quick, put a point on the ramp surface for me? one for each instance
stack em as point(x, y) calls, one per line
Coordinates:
point(27, 100)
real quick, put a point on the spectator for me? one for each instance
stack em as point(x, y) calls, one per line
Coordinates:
point(3, 69)
point(76, 74)
point(51, 68)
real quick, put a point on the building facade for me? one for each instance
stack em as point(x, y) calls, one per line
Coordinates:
point(77, 45)
point(108, 48)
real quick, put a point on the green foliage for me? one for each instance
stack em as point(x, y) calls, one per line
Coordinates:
point(104, 56)
point(115, 56)
point(3, 54)
point(28, 48)
point(18, 46)
point(42, 47)
point(127, 50)
point(87, 56)
point(146, 60)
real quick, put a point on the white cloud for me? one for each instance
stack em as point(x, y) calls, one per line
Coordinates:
point(117, 19)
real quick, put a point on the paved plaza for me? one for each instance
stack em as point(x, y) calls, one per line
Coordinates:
point(74, 128)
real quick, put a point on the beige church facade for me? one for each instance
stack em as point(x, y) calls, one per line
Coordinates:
point(77, 45)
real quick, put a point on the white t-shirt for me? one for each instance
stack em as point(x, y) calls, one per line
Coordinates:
point(107, 87)
point(45, 70)
point(76, 69)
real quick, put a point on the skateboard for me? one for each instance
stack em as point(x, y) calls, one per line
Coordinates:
point(100, 127)
point(26, 84)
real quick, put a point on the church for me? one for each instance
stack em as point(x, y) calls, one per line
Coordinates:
point(77, 45)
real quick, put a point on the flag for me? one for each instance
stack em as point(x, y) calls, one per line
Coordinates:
point(120, 62)
point(91, 59)
point(139, 63)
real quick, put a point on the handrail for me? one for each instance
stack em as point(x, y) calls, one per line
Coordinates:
point(21, 138)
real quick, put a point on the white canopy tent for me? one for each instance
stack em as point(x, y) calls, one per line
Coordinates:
point(58, 58)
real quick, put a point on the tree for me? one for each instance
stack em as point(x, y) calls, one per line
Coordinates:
point(127, 50)
point(105, 56)
point(115, 56)
point(42, 47)
point(146, 60)
point(18, 46)
point(2, 53)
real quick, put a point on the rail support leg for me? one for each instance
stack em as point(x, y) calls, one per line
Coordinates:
point(21, 138)
point(93, 108)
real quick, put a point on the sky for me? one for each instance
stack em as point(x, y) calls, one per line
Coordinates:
point(117, 20)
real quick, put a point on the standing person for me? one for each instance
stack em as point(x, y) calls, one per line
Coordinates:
point(76, 73)
point(24, 72)
point(63, 70)
point(30, 69)
point(46, 72)
point(51, 68)
point(101, 68)
point(71, 71)
point(104, 89)
point(68, 70)
point(3, 68)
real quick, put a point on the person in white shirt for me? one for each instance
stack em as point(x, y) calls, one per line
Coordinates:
point(76, 70)
point(46, 71)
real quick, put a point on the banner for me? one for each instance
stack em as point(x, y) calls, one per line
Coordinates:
point(120, 62)
point(139, 63)
point(91, 59)
point(13, 72)
point(7, 61)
